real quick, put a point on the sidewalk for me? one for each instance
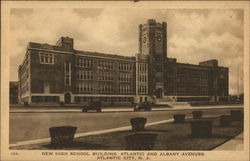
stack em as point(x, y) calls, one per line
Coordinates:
point(234, 144)
point(119, 109)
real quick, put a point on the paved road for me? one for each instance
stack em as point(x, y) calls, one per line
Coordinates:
point(111, 109)
point(30, 126)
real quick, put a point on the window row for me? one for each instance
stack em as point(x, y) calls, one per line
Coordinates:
point(143, 67)
point(204, 82)
point(106, 88)
point(83, 62)
point(142, 78)
point(182, 80)
point(192, 91)
point(106, 76)
point(125, 77)
point(192, 74)
point(84, 87)
point(143, 89)
point(46, 58)
point(158, 78)
point(84, 75)
point(125, 89)
point(204, 91)
point(125, 66)
point(104, 99)
point(204, 75)
point(105, 64)
point(67, 74)
point(194, 80)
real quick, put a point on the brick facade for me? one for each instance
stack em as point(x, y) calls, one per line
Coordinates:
point(54, 73)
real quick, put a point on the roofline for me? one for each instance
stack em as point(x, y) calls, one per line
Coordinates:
point(200, 66)
point(102, 55)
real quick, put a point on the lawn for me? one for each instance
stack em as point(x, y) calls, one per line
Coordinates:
point(171, 136)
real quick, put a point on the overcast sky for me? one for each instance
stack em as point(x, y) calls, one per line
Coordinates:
point(193, 35)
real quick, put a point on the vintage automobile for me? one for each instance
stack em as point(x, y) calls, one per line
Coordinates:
point(143, 106)
point(92, 105)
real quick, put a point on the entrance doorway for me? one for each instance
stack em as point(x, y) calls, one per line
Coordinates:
point(159, 93)
point(67, 98)
point(141, 99)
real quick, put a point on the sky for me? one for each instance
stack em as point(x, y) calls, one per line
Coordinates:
point(194, 35)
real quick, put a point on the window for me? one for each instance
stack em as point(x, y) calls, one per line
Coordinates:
point(46, 58)
point(143, 67)
point(67, 73)
point(125, 66)
point(125, 77)
point(46, 88)
point(106, 76)
point(84, 87)
point(125, 89)
point(106, 88)
point(142, 78)
point(83, 62)
point(143, 89)
point(84, 75)
point(105, 64)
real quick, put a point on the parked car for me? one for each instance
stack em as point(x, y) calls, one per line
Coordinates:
point(143, 106)
point(92, 105)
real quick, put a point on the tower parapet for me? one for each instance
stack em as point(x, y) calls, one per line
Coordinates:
point(153, 38)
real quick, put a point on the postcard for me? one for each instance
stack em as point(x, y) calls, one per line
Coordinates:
point(125, 80)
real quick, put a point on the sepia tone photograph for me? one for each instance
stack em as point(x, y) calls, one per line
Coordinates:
point(126, 83)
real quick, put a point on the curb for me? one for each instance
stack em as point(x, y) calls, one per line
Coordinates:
point(120, 110)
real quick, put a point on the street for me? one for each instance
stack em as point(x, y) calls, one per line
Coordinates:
point(31, 126)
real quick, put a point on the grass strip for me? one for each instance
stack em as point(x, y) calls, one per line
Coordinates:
point(171, 136)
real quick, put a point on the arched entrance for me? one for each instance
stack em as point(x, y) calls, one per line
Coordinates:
point(158, 93)
point(67, 98)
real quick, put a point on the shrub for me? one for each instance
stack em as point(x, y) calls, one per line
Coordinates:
point(62, 135)
point(61, 103)
point(140, 141)
point(236, 115)
point(138, 123)
point(26, 103)
point(179, 118)
point(225, 120)
point(201, 128)
point(197, 114)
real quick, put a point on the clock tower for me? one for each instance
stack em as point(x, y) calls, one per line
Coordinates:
point(153, 42)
